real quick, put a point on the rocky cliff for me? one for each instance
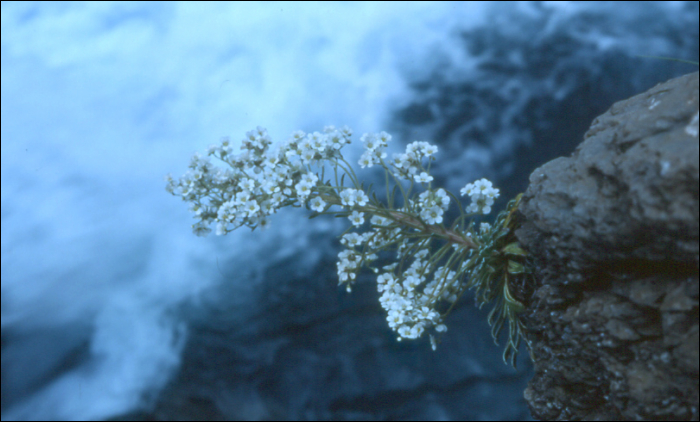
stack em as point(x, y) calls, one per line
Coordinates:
point(613, 320)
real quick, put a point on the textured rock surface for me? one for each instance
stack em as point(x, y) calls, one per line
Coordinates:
point(614, 316)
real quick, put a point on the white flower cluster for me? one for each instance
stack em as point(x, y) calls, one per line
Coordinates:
point(410, 308)
point(482, 194)
point(351, 197)
point(407, 164)
point(374, 144)
point(410, 297)
point(433, 205)
point(259, 181)
point(409, 300)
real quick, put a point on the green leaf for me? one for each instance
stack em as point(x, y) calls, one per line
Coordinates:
point(392, 196)
point(515, 267)
point(514, 249)
point(512, 304)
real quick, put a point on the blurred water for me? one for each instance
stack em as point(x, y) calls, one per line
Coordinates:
point(100, 100)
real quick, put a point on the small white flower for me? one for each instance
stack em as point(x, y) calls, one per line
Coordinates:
point(272, 161)
point(303, 188)
point(377, 220)
point(247, 184)
point(423, 178)
point(395, 318)
point(378, 154)
point(357, 218)
point(442, 199)
point(366, 160)
point(441, 328)
point(432, 215)
point(360, 198)
point(429, 289)
point(412, 149)
point(277, 198)
point(430, 150)
point(484, 227)
point(422, 254)
point(308, 155)
point(291, 153)
point(391, 283)
point(347, 197)
point(492, 193)
point(370, 141)
point(410, 283)
point(425, 199)
point(317, 204)
point(197, 209)
point(416, 331)
point(346, 131)
point(270, 187)
point(385, 278)
point(213, 149)
point(252, 207)
point(318, 141)
point(386, 299)
point(482, 185)
point(335, 141)
point(306, 144)
point(384, 137)
point(309, 178)
point(352, 239)
point(400, 160)
point(427, 313)
point(467, 189)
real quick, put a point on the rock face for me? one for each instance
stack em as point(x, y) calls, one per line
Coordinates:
point(613, 320)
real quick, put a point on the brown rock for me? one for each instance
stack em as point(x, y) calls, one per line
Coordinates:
point(613, 320)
